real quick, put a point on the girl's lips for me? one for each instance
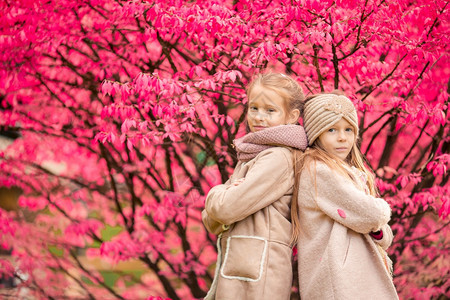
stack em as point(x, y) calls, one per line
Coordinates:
point(258, 127)
point(341, 149)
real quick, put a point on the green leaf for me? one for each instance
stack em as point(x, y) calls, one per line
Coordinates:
point(95, 244)
point(86, 280)
point(135, 277)
point(201, 156)
point(57, 251)
point(110, 278)
point(110, 231)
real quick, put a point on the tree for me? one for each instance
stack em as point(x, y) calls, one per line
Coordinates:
point(127, 110)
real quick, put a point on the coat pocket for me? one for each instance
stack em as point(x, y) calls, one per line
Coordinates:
point(244, 258)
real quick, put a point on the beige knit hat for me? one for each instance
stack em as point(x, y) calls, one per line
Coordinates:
point(325, 110)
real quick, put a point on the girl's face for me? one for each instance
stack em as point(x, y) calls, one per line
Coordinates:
point(266, 108)
point(338, 140)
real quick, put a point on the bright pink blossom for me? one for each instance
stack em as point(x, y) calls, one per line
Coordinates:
point(117, 117)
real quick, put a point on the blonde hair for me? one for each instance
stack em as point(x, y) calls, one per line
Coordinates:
point(317, 153)
point(284, 85)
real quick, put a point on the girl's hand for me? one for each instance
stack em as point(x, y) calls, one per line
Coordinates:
point(383, 237)
point(377, 235)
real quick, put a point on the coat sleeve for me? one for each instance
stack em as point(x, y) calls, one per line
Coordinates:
point(342, 201)
point(270, 177)
point(212, 225)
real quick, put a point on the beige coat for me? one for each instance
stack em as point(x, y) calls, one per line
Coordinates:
point(337, 257)
point(254, 256)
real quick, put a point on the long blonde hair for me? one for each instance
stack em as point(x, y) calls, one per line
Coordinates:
point(316, 152)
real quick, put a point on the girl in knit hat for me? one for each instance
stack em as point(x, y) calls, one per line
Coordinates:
point(340, 224)
point(250, 213)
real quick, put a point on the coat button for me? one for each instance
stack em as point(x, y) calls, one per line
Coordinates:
point(225, 227)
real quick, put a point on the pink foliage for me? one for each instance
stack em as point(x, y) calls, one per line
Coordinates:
point(124, 113)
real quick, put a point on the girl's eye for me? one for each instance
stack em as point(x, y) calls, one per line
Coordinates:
point(271, 110)
point(253, 108)
point(349, 129)
point(331, 130)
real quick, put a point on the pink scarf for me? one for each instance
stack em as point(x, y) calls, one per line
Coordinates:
point(253, 143)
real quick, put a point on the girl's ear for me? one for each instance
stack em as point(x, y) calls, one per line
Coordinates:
point(293, 117)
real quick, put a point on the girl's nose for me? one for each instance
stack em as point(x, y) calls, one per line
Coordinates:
point(342, 136)
point(259, 116)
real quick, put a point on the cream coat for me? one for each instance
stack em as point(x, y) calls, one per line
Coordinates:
point(254, 260)
point(337, 257)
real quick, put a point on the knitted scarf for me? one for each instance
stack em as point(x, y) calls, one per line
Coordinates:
point(253, 143)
